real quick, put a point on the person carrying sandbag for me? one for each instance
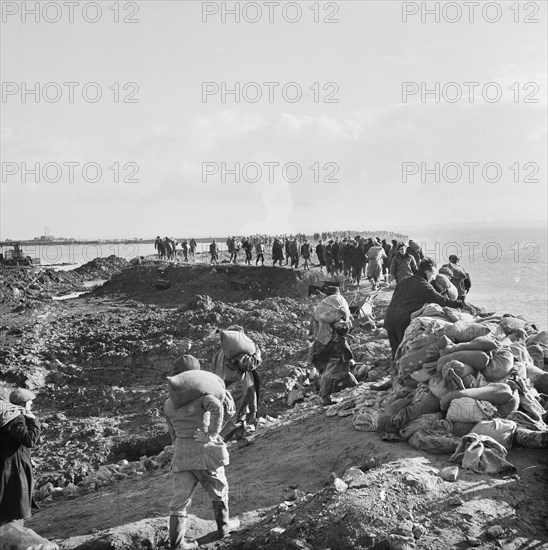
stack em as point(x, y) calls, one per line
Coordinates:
point(330, 353)
point(194, 412)
point(458, 276)
point(19, 432)
point(236, 364)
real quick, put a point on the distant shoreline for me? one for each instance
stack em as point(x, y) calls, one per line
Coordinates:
point(68, 242)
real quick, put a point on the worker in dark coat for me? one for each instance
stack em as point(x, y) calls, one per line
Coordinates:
point(403, 264)
point(277, 252)
point(357, 262)
point(319, 253)
point(410, 295)
point(19, 432)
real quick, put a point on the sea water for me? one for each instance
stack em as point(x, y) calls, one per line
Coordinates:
point(508, 266)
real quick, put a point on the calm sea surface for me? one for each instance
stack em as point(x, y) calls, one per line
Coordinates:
point(508, 267)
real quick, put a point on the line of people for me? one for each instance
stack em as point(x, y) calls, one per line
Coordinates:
point(166, 248)
point(293, 252)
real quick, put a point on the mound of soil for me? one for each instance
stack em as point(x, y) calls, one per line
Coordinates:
point(170, 285)
point(307, 479)
point(26, 288)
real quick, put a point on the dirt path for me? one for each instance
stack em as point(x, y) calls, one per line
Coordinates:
point(302, 454)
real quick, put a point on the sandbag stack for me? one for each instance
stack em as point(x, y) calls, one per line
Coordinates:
point(193, 384)
point(459, 375)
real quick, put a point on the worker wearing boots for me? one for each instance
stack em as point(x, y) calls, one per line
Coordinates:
point(199, 456)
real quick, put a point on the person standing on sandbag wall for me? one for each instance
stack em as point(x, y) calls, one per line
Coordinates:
point(236, 364)
point(200, 454)
point(458, 276)
point(19, 432)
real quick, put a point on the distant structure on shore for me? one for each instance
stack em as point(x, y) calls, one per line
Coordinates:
point(48, 237)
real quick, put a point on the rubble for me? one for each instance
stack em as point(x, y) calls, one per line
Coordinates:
point(98, 364)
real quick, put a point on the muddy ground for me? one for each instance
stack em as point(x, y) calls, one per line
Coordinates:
point(98, 365)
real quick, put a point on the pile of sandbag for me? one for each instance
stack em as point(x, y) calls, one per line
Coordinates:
point(458, 375)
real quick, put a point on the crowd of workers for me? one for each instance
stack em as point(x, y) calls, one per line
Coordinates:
point(167, 248)
point(201, 427)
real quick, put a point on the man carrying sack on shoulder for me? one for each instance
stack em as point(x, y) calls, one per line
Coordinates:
point(194, 412)
point(236, 363)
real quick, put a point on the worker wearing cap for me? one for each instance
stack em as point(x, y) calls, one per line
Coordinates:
point(19, 432)
point(458, 276)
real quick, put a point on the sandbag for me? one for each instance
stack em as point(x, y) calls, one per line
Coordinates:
point(511, 325)
point(520, 369)
point(408, 382)
point(437, 387)
point(436, 349)
point(531, 438)
point(437, 438)
point(501, 430)
point(235, 342)
point(538, 338)
point(385, 417)
point(474, 358)
point(453, 380)
point(482, 343)
point(366, 420)
point(538, 377)
point(420, 423)
point(425, 373)
point(332, 309)
point(538, 354)
point(470, 381)
point(428, 310)
point(190, 385)
point(541, 383)
point(462, 428)
point(8, 411)
point(453, 315)
point(460, 368)
point(425, 402)
point(466, 409)
point(423, 340)
point(412, 360)
point(530, 405)
point(506, 409)
point(520, 353)
point(465, 332)
point(17, 537)
point(443, 282)
point(500, 365)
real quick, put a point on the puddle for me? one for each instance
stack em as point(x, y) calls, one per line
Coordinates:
point(96, 283)
point(71, 295)
point(88, 285)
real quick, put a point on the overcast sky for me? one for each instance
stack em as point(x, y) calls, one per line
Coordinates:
point(356, 144)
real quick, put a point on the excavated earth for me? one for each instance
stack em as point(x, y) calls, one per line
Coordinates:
point(98, 364)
